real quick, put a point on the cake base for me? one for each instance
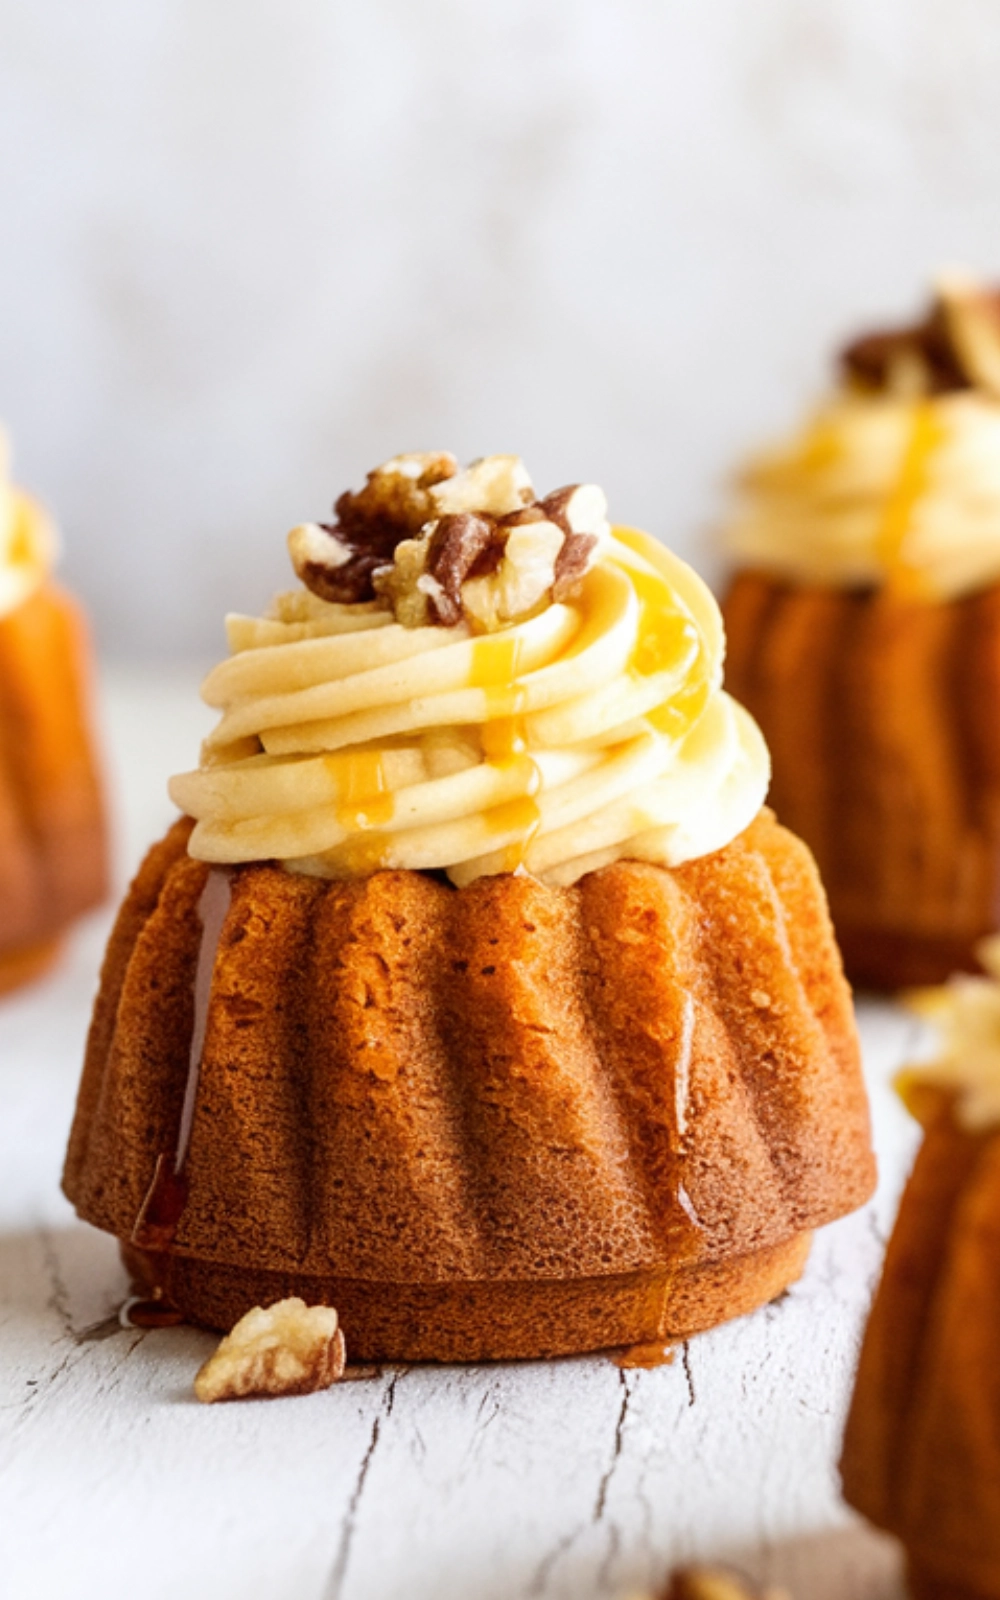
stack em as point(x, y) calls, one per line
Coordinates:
point(486, 1321)
point(26, 964)
point(876, 959)
point(925, 1584)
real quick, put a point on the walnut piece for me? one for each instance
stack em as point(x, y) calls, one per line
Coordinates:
point(955, 346)
point(972, 317)
point(455, 548)
point(523, 576)
point(493, 569)
point(284, 1349)
point(718, 1583)
point(495, 485)
point(439, 545)
point(336, 560)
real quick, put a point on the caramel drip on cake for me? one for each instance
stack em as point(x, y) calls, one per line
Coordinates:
point(156, 1224)
point(646, 1357)
point(367, 801)
point(926, 434)
point(504, 738)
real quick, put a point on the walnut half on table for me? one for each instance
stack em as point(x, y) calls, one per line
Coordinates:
point(284, 1349)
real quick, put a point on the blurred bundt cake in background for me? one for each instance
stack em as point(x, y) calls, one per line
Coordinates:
point(922, 1448)
point(863, 620)
point(53, 863)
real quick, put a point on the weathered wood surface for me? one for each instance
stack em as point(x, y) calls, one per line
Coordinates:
point(549, 1480)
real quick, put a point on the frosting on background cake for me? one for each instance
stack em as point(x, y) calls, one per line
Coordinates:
point(28, 542)
point(895, 480)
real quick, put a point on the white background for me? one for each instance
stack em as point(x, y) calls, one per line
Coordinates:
point(249, 249)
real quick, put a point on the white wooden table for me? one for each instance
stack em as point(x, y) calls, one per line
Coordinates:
point(566, 1480)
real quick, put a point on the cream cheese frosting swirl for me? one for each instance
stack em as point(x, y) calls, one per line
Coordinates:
point(966, 1013)
point(895, 480)
point(28, 544)
point(582, 730)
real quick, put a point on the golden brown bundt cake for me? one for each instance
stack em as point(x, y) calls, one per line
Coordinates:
point(52, 833)
point(503, 1120)
point(921, 1452)
point(478, 997)
point(864, 636)
point(922, 1449)
point(881, 717)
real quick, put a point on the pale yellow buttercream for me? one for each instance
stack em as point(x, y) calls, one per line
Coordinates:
point(590, 730)
point(28, 544)
point(879, 489)
point(966, 1013)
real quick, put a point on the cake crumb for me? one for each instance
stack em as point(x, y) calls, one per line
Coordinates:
point(284, 1349)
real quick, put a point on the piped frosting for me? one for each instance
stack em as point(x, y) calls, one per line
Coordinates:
point(552, 728)
point(966, 1015)
point(895, 480)
point(28, 542)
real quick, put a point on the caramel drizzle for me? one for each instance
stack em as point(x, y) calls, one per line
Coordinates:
point(495, 665)
point(897, 517)
point(646, 1357)
point(366, 801)
point(166, 1197)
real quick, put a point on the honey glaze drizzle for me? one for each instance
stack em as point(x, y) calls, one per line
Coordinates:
point(161, 1210)
point(496, 661)
point(645, 1356)
point(665, 639)
point(366, 800)
point(505, 746)
point(925, 435)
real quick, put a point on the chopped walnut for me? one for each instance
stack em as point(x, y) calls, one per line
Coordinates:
point(337, 560)
point(972, 317)
point(288, 1348)
point(436, 545)
point(581, 511)
point(955, 346)
point(523, 576)
point(718, 1583)
point(495, 485)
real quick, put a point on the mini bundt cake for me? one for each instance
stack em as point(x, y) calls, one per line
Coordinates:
point(864, 636)
point(475, 995)
point(922, 1447)
point(52, 833)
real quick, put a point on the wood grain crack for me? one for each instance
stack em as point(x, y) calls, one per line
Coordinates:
point(545, 1568)
point(876, 1230)
point(338, 1572)
point(609, 1472)
point(57, 1299)
point(686, 1359)
point(543, 1571)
